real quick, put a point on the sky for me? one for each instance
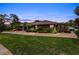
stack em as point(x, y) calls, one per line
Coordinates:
point(58, 12)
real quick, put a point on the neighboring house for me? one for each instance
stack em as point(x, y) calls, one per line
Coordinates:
point(7, 22)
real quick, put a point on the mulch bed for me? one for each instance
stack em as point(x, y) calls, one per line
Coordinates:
point(77, 35)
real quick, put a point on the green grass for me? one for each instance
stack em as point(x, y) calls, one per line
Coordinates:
point(37, 45)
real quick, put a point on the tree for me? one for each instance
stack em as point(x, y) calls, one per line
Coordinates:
point(71, 22)
point(2, 20)
point(54, 30)
point(77, 13)
point(15, 21)
point(77, 10)
point(14, 18)
point(76, 21)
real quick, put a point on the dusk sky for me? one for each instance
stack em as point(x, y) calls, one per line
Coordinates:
point(59, 12)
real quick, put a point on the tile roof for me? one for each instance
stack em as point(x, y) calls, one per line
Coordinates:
point(43, 23)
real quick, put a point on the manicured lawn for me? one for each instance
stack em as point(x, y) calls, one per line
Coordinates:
point(35, 45)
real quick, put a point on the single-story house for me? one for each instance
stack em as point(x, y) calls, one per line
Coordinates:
point(45, 23)
point(48, 25)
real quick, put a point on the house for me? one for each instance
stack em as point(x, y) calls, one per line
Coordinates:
point(45, 24)
point(42, 26)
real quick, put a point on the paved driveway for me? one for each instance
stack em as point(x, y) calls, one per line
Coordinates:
point(68, 35)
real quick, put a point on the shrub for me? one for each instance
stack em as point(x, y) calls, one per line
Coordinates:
point(29, 30)
point(40, 29)
point(45, 30)
point(51, 30)
point(15, 26)
point(54, 30)
point(8, 28)
point(77, 32)
point(1, 27)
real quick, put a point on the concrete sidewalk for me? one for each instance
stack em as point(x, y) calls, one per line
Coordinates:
point(67, 35)
point(4, 51)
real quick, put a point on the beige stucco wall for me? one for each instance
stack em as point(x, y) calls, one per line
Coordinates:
point(51, 26)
